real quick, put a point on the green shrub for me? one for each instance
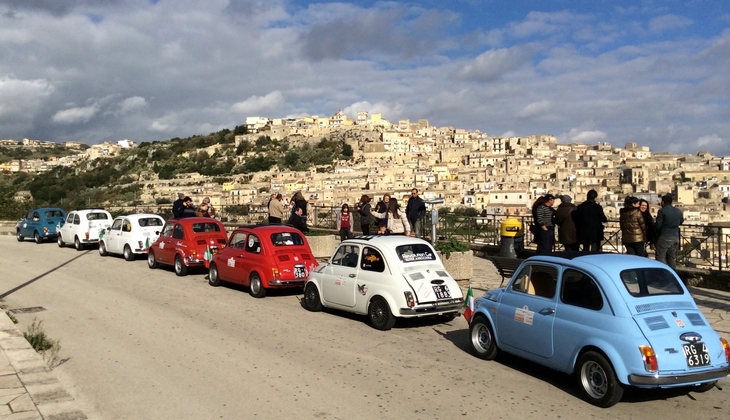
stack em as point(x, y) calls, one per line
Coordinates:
point(451, 245)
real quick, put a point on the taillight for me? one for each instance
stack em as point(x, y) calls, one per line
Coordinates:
point(87, 235)
point(45, 230)
point(275, 273)
point(726, 347)
point(650, 362)
point(409, 299)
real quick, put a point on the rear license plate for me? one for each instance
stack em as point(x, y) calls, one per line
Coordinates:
point(299, 272)
point(696, 354)
point(442, 292)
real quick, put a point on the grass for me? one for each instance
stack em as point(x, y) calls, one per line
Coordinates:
point(46, 347)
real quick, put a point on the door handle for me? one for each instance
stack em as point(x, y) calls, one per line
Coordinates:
point(547, 311)
point(352, 275)
point(240, 255)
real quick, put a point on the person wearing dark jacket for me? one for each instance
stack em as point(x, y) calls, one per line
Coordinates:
point(590, 217)
point(567, 234)
point(415, 210)
point(668, 219)
point(545, 223)
point(382, 207)
point(300, 202)
point(363, 209)
point(295, 220)
point(633, 228)
point(188, 210)
point(649, 222)
point(177, 206)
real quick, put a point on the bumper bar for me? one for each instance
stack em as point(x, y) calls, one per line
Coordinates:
point(679, 379)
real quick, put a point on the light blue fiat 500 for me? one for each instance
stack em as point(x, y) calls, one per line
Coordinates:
point(612, 320)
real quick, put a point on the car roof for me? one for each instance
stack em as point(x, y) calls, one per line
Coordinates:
point(48, 208)
point(136, 216)
point(268, 228)
point(385, 240)
point(611, 263)
point(88, 211)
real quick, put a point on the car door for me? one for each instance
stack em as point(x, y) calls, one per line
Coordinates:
point(339, 281)
point(526, 312)
point(252, 258)
point(164, 244)
point(66, 228)
point(27, 226)
point(126, 235)
point(230, 259)
point(111, 238)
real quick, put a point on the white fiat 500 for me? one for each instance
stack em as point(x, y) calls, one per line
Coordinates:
point(82, 227)
point(384, 277)
point(131, 235)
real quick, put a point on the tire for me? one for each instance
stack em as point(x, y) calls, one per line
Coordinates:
point(213, 278)
point(181, 270)
point(19, 237)
point(37, 238)
point(481, 338)
point(311, 299)
point(60, 242)
point(151, 262)
point(381, 318)
point(128, 254)
point(77, 244)
point(102, 249)
point(704, 387)
point(255, 287)
point(597, 380)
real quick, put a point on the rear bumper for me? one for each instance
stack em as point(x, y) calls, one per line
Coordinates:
point(287, 283)
point(435, 309)
point(659, 380)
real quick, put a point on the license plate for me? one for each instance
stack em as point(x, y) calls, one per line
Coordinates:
point(442, 292)
point(696, 354)
point(299, 272)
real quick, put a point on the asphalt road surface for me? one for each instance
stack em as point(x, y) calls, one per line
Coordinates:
point(145, 344)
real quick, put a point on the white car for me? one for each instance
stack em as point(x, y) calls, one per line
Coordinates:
point(384, 277)
point(131, 235)
point(82, 227)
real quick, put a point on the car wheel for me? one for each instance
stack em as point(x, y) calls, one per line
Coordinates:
point(597, 380)
point(19, 237)
point(180, 268)
point(255, 287)
point(77, 244)
point(213, 278)
point(37, 238)
point(60, 242)
point(312, 302)
point(704, 387)
point(482, 338)
point(381, 318)
point(151, 262)
point(128, 254)
point(102, 249)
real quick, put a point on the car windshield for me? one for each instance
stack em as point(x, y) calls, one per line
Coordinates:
point(415, 252)
point(286, 239)
point(206, 227)
point(149, 221)
point(96, 216)
point(54, 213)
point(642, 282)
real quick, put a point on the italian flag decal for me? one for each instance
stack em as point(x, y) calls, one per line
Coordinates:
point(468, 304)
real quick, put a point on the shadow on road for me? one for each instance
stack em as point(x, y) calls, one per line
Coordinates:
point(31, 281)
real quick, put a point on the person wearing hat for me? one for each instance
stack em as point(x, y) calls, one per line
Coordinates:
point(567, 234)
point(178, 206)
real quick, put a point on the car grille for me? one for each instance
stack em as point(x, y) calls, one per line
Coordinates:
point(656, 323)
point(695, 319)
point(658, 306)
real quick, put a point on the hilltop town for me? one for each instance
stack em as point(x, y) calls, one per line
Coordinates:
point(492, 174)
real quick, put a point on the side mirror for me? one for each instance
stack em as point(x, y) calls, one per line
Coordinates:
point(109, 229)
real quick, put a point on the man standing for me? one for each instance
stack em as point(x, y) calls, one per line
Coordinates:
point(295, 220)
point(415, 210)
point(177, 206)
point(567, 234)
point(668, 219)
point(589, 219)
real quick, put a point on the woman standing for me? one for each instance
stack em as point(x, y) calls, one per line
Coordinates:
point(345, 222)
point(633, 228)
point(545, 224)
point(397, 220)
point(363, 209)
point(649, 223)
point(299, 202)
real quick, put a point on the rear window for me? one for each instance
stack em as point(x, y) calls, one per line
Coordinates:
point(650, 282)
point(96, 216)
point(54, 213)
point(286, 239)
point(149, 221)
point(206, 227)
point(415, 252)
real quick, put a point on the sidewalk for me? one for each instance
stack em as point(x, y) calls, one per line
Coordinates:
point(28, 389)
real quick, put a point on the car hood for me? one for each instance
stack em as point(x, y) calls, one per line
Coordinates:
point(425, 281)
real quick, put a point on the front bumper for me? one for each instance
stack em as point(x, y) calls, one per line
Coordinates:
point(434, 309)
point(683, 379)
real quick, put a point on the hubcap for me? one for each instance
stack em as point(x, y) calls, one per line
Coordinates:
point(255, 285)
point(482, 338)
point(594, 380)
point(378, 312)
point(178, 265)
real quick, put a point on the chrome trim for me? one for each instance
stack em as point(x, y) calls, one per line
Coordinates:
point(432, 309)
point(286, 282)
point(679, 379)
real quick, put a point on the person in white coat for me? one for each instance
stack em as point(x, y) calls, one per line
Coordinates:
point(397, 219)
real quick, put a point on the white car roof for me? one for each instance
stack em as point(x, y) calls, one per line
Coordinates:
point(385, 241)
point(138, 216)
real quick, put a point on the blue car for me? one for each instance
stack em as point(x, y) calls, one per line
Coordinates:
point(40, 224)
point(612, 320)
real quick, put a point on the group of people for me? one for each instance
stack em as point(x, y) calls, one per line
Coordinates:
point(389, 216)
point(581, 227)
point(296, 208)
point(183, 207)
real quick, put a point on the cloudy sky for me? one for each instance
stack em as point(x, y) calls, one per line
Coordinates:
point(656, 72)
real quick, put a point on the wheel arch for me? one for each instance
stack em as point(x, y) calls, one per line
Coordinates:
point(611, 356)
point(392, 305)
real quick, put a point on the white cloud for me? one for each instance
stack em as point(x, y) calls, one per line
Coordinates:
point(161, 126)
point(668, 23)
point(535, 109)
point(132, 104)
point(18, 97)
point(76, 114)
point(259, 104)
point(584, 136)
point(711, 140)
point(492, 64)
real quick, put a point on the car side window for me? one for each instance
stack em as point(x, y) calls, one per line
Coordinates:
point(167, 231)
point(70, 218)
point(117, 224)
point(29, 215)
point(347, 256)
point(372, 260)
point(36, 216)
point(580, 290)
point(127, 226)
point(536, 280)
point(253, 245)
point(238, 240)
point(77, 219)
point(177, 232)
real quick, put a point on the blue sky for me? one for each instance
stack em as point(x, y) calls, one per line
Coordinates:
point(651, 72)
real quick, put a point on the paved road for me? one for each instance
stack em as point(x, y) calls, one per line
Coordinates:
point(145, 344)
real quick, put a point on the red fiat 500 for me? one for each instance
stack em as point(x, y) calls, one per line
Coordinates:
point(263, 257)
point(188, 242)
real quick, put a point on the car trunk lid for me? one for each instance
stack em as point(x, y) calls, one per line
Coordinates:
point(432, 285)
point(294, 263)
